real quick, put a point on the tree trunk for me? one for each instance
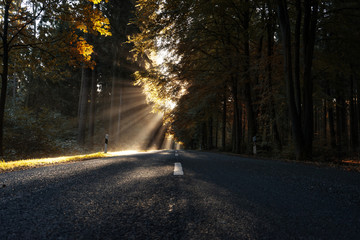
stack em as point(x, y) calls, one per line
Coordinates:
point(237, 121)
point(309, 29)
point(119, 94)
point(353, 123)
point(112, 112)
point(357, 106)
point(223, 136)
point(210, 135)
point(14, 88)
point(270, 45)
point(204, 136)
point(297, 57)
point(92, 113)
point(324, 135)
point(82, 109)
point(4, 75)
point(356, 109)
point(339, 129)
point(332, 125)
point(316, 117)
point(251, 120)
point(344, 122)
point(294, 116)
point(216, 133)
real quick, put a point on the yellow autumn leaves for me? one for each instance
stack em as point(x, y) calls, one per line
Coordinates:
point(84, 48)
point(97, 1)
point(92, 21)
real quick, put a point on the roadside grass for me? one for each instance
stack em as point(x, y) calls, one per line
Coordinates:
point(32, 163)
point(351, 165)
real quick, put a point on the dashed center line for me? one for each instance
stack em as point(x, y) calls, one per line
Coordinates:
point(178, 169)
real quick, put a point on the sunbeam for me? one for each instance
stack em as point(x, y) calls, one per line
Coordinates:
point(146, 136)
point(169, 139)
point(133, 125)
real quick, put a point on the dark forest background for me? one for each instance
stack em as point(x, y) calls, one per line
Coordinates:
point(284, 71)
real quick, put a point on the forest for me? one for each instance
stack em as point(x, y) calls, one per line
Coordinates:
point(67, 80)
point(281, 72)
point(209, 74)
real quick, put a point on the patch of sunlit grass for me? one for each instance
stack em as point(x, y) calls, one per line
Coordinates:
point(351, 165)
point(352, 161)
point(32, 163)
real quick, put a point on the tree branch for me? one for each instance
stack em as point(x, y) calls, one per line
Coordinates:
point(26, 24)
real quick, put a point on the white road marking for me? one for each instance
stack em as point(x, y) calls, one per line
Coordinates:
point(178, 169)
point(176, 154)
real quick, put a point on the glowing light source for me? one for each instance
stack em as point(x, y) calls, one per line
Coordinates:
point(169, 104)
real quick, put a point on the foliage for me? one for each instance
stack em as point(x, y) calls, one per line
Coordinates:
point(46, 42)
point(215, 69)
point(36, 24)
point(32, 133)
point(226, 58)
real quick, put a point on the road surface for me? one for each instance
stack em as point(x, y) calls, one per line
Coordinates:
point(217, 196)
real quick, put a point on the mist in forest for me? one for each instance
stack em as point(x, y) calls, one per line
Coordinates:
point(133, 124)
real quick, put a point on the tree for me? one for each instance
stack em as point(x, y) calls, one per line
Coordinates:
point(221, 44)
point(20, 32)
point(302, 133)
point(5, 69)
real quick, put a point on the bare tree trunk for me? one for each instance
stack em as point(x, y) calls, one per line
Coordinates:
point(82, 109)
point(237, 121)
point(113, 93)
point(356, 109)
point(324, 135)
point(210, 135)
point(294, 116)
point(14, 82)
point(297, 57)
point(270, 46)
point(223, 136)
point(344, 122)
point(92, 113)
point(309, 29)
point(216, 132)
point(5, 72)
point(315, 125)
point(353, 123)
point(339, 128)
point(357, 106)
point(332, 126)
point(119, 107)
point(251, 120)
point(204, 136)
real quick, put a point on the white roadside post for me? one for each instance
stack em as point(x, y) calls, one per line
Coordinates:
point(254, 147)
point(106, 142)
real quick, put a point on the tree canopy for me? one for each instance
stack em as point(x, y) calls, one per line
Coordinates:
point(234, 75)
point(278, 70)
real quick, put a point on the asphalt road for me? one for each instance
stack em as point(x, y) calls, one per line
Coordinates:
point(218, 197)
